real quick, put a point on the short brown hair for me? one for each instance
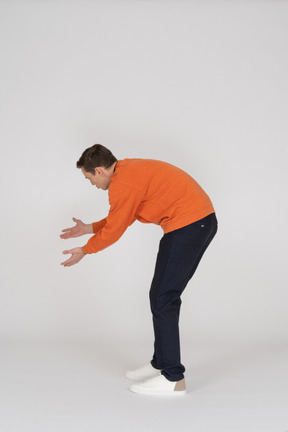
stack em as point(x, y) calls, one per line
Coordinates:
point(96, 156)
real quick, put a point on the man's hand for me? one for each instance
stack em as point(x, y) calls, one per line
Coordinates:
point(77, 255)
point(78, 230)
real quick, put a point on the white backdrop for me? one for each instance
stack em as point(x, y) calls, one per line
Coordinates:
point(199, 84)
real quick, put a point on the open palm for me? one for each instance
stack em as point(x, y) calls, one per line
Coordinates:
point(78, 230)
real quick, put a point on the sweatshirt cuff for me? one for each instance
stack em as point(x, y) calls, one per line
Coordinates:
point(86, 250)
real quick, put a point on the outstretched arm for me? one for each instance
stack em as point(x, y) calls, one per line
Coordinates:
point(124, 200)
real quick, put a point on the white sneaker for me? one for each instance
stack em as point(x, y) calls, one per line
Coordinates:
point(143, 373)
point(160, 385)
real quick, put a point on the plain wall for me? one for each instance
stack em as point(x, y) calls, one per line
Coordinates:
point(199, 84)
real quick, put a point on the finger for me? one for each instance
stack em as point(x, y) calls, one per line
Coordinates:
point(69, 262)
point(71, 251)
point(67, 229)
point(70, 232)
point(66, 263)
point(68, 235)
point(65, 236)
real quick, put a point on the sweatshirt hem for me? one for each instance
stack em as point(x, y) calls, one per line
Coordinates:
point(187, 220)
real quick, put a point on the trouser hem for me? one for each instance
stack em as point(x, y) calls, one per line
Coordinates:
point(173, 378)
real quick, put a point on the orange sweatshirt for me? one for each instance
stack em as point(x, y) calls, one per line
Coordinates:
point(149, 191)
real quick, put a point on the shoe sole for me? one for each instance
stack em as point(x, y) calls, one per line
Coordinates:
point(159, 393)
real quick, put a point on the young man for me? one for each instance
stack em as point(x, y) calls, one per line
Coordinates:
point(151, 191)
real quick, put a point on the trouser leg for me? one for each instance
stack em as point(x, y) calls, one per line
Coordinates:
point(179, 254)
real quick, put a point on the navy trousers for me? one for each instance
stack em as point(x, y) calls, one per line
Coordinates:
point(179, 254)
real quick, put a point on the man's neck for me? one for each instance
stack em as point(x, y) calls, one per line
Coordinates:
point(111, 170)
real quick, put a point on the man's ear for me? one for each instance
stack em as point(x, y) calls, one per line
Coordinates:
point(99, 170)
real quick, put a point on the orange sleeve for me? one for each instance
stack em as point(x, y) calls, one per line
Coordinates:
point(98, 225)
point(124, 200)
